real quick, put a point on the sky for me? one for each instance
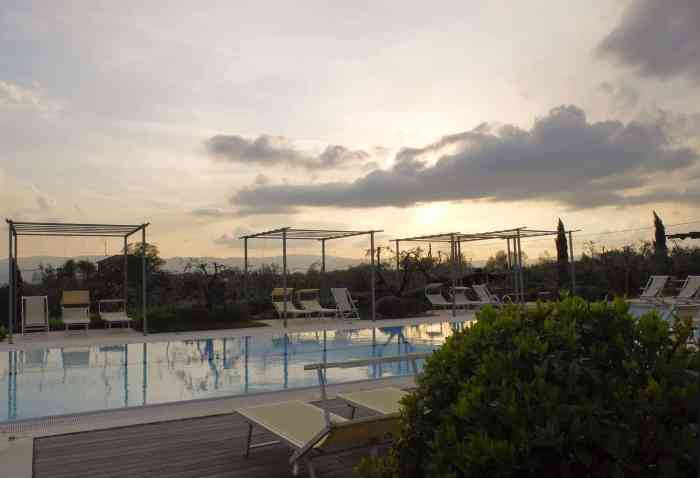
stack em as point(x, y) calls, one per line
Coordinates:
point(217, 119)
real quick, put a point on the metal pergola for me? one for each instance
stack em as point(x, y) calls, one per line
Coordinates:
point(54, 229)
point(285, 234)
point(513, 239)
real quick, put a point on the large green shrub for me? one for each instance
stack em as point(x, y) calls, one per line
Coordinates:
point(568, 389)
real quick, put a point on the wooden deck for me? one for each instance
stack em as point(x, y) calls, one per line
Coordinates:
point(199, 447)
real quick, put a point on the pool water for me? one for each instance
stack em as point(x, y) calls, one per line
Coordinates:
point(45, 382)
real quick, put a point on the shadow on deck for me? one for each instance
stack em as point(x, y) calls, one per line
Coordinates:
point(209, 447)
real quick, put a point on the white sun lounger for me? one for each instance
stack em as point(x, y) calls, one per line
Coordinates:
point(434, 295)
point(309, 300)
point(75, 309)
point(35, 313)
point(461, 299)
point(689, 292)
point(345, 306)
point(485, 295)
point(653, 289)
point(118, 317)
point(278, 295)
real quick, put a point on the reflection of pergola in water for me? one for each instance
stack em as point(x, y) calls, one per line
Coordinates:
point(285, 234)
point(513, 239)
point(56, 229)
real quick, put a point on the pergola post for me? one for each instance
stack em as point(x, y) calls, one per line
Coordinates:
point(509, 265)
point(572, 263)
point(10, 290)
point(245, 269)
point(284, 277)
point(323, 268)
point(372, 285)
point(126, 274)
point(143, 284)
point(398, 268)
point(521, 281)
point(459, 258)
point(454, 274)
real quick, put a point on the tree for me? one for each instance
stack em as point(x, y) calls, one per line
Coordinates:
point(562, 256)
point(660, 247)
point(153, 259)
point(209, 281)
point(499, 261)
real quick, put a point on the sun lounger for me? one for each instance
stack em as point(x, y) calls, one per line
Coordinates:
point(35, 313)
point(345, 306)
point(653, 289)
point(75, 309)
point(306, 430)
point(278, 298)
point(433, 292)
point(486, 296)
point(309, 300)
point(461, 299)
point(311, 431)
point(689, 292)
point(384, 401)
point(113, 317)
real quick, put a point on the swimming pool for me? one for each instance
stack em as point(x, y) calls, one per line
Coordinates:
point(45, 382)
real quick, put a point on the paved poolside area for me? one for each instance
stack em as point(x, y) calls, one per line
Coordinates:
point(118, 336)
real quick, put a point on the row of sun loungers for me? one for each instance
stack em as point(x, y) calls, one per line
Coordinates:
point(75, 312)
point(458, 296)
point(311, 431)
point(308, 299)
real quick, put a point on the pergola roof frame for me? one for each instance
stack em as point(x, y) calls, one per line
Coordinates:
point(59, 229)
point(321, 235)
point(513, 235)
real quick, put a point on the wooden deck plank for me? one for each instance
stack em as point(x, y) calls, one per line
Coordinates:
point(209, 447)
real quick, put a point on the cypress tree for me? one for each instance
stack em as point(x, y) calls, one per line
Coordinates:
point(562, 256)
point(660, 247)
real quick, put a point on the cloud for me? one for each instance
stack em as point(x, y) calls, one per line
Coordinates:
point(278, 150)
point(14, 97)
point(563, 158)
point(659, 39)
point(233, 240)
point(622, 96)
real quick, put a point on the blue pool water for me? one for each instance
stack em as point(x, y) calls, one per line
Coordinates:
point(44, 382)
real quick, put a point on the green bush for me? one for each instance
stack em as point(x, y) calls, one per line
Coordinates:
point(56, 324)
point(567, 389)
point(398, 307)
point(3, 333)
point(182, 319)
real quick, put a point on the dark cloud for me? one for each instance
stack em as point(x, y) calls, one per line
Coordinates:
point(660, 38)
point(563, 158)
point(278, 150)
point(622, 96)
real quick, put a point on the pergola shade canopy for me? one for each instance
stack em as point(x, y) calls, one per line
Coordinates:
point(58, 229)
point(513, 237)
point(306, 234)
point(69, 229)
point(321, 235)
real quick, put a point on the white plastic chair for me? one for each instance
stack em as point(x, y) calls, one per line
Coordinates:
point(35, 313)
